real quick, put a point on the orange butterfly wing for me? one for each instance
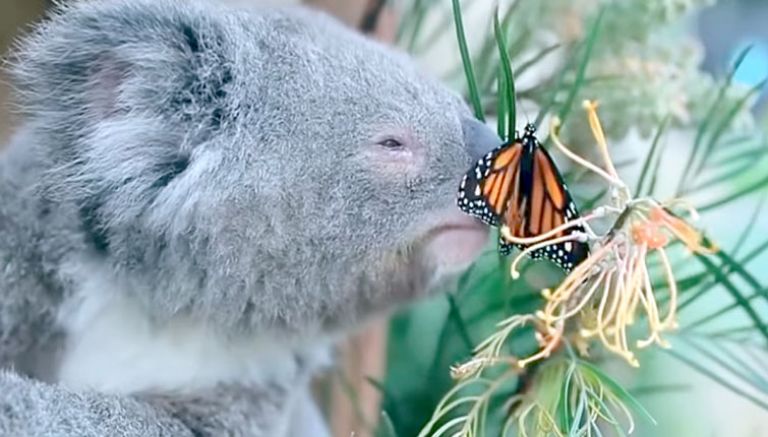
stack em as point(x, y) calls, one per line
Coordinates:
point(546, 206)
point(518, 185)
point(487, 190)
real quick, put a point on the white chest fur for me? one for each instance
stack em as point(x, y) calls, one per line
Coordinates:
point(112, 346)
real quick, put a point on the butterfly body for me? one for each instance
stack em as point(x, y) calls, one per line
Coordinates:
point(518, 185)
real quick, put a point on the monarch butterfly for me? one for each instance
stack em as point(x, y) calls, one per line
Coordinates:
point(518, 185)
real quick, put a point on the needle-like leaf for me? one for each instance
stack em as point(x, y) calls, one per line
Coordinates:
point(737, 295)
point(466, 60)
point(617, 389)
point(509, 80)
point(724, 123)
point(693, 157)
point(651, 155)
point(581, 72)
point(717, 377)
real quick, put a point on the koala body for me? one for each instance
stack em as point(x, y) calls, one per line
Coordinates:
point(200, 201)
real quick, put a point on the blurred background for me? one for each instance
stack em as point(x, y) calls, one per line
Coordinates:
point(401, 364)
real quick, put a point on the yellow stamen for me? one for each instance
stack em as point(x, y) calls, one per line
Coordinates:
point(507, 234)
point(513, 269)
point(670, 321)
point(597, 131)
point(553, 132)
point(551, 341)
point(549, 315)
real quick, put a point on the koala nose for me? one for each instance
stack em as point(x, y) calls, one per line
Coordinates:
point(479, 138)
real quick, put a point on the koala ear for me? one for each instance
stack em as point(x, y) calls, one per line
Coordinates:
point(93, 60)
point(118, 93)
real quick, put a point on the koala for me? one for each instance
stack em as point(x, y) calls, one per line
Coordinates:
point(201, 201)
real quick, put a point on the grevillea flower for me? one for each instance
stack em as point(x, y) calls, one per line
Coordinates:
point(563, 396)
point(609, 292)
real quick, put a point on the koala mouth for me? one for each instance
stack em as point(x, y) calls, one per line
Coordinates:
point(456, 243)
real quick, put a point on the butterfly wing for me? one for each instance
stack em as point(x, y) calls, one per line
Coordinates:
point(488, 187)
point(543, 204)
point(519, 185)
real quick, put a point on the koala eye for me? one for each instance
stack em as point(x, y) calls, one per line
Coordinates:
point(391, 143)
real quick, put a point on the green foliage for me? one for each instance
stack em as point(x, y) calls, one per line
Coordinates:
point(507, 99)
point(622, 54)
point(474, 94)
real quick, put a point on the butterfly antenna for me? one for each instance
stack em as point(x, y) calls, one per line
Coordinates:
point(528, 119)
point(528, 123)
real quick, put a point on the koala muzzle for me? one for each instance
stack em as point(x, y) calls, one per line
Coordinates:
point(479, 138)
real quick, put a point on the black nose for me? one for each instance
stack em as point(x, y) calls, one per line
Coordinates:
point(479, 138)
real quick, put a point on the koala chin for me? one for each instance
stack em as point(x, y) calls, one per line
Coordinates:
point(201, 200)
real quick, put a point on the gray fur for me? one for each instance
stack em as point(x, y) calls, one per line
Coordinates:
point(236, 410)
point(30, 408)
point(222, 164)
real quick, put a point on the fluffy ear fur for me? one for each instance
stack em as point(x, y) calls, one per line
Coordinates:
point(120, 93)
point(96, 60)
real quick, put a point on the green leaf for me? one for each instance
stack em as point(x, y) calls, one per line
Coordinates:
point(705, 123)
point(349, 390)
point(717, 179)
point(704, 280)
point(592, 201)
point(509, 80)
point(729, 265)
point(501, 110)
point(559, 85)
point(386, 427)
point(719, 312)
point(535, 59)
point(754, 253)
point(378, 385)
point(738, 148)
point(580, 80)
point(723, 279)
point(577, 417)
point(655, 171)
point(566, 415)
point(748, 376)
point(730, 332)
point(715, 376)
point(618, 390)
point(412, 25)
point(740, 270)
point(466, 60)
point(582, 70)
point(651, 155)
point(491, 65)
point(726, 122)
point(444, 340)
point(658, 389)
point(455, 316)
point(609, 417)
point(749, 189)
point(756, 214)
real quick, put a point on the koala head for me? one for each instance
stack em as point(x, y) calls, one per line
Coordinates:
point(256, 170)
